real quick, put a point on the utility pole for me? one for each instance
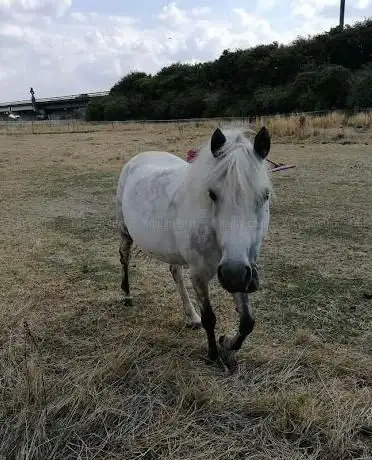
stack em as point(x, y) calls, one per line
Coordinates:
point(342, 13)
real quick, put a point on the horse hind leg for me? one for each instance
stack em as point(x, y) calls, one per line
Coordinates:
point(126, 243)
point(192, 318)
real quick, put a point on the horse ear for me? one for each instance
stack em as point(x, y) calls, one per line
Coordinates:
point(262, 143)
point(218, 140)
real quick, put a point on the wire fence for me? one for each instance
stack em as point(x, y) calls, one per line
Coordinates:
point(73, 122)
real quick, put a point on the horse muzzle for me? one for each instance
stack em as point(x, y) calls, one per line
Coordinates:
point(254, 283)
point(237, 277)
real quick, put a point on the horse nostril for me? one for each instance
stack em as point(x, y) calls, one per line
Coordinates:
point(254, 283)
point(248, 275)
point(219, 272)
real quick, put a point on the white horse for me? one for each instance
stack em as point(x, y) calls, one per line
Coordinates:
point(210, 216)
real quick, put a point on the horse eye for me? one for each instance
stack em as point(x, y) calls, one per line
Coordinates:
point(212, 195)
point(266, 195)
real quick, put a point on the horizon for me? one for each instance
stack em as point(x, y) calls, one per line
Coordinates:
point(70, 47)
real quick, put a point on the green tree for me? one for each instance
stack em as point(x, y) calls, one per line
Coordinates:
point(326, 71)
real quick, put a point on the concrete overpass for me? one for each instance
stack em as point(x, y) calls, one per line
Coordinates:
point(52, 108)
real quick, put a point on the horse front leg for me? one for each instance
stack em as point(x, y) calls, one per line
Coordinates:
point(229, 345)
point(208, 318)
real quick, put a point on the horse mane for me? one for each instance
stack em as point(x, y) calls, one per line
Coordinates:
point(237, 170)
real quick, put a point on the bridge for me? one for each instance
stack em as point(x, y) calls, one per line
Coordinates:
point(52, 108)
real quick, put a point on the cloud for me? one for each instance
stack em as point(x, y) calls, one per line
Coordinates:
point(363, 4)
point(258, 28)
point(17, 8)
point(311, 8)
point(173, 14)
point(201, 11)
point(263, 6)
point(59, 49)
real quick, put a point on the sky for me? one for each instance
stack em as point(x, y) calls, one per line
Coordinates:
point(62, 47)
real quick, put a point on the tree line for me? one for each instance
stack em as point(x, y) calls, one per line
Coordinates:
point(332, 70)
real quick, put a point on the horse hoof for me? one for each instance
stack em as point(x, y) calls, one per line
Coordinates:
point(228, 367)
point(232, 365)
point(128, 301)
point(194, 325)
point(229, 362)
point(227, 356)
point(211, 358)
point(224, 343)
point(224, 366)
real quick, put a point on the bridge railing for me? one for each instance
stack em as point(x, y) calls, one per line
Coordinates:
point(56, 98)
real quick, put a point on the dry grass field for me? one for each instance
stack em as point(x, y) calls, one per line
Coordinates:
point(84, 377)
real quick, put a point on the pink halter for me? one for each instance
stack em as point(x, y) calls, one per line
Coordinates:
point(192, 154)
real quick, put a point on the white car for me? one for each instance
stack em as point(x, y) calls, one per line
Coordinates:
point(13, 116)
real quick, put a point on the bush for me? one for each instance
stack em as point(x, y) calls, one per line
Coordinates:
point(333, 85)
point(361, 93)
point(96, 109)
point(116, 109)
